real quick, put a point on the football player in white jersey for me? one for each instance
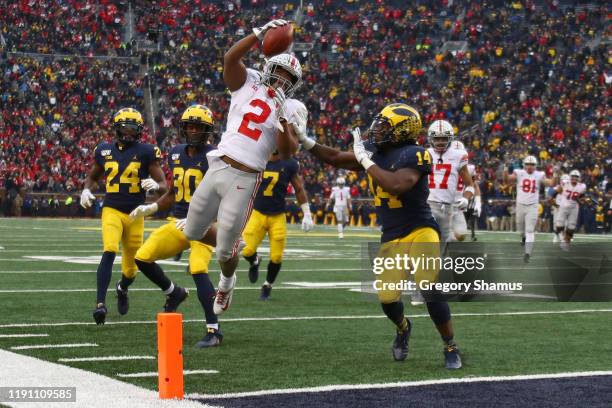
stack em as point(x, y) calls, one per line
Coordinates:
point(528, 181)
point(458, 223)
point(341, 196)
point(448, 165)
point(572, 193)
point(555, 206)
point(260, 120)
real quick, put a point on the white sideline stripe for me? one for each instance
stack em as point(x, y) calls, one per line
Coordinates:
point(107, 358)
point(11, 336)
point(348, 317)
point(157, 289)
point(341, 387)
point(46, 346)
point(92, 390)
point(154, 373)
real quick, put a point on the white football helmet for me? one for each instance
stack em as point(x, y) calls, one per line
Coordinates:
point(340, 181)
point(576, 174)
point(457, 144)
point(440, 135)
point(530, 160)
point(288, 63)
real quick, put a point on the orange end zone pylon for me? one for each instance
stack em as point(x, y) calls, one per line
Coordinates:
point(170, 355)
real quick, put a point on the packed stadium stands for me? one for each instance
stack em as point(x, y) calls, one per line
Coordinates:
point(516, 78)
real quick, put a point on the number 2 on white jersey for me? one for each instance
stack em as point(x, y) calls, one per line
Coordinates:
point(257, 118)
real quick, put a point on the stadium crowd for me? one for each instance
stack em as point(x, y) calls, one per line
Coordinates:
point(533, 79)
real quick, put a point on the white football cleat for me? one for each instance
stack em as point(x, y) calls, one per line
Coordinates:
point(555, 238)
point(223, 299)
point(341, 235)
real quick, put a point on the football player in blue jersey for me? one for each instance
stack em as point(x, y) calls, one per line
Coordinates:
point(269, 217)
point(398, 172)
point(131, 169)
point(188, 164)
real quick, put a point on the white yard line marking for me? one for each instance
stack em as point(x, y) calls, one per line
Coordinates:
point(154, 373)
point(92, 390)
point(106, 358)
point(290, 318)
point(341, 387)
point(24, 335)
point(46, 346)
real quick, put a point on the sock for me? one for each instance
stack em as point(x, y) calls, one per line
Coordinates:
point(226, 283)
point(448, 340)
point(103, 275)
point(155, 274)
point(395, 313)
point(251, 258)
point(206, 294)
point(340, 228)
point(529, 240)
point(439, 312)
point(125, 282)
point(273, 270)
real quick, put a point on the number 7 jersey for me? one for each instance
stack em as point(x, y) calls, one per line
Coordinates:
point(250, 134)
point(124, 169)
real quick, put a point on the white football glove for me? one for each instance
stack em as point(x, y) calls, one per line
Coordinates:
point(143, 211)
point(477, 206)
point(299, 120)
point(461, 204)
point(87, 199)
point(180, 224)
point(149, 184)
point(307, 222)
point(361, 154)
point(261, 31)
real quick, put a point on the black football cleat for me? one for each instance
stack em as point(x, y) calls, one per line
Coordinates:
point(526, 258)
point(212, 338)
point(254, 270)
point(174, 299)
point(123, 303)
point(523, 241)
point(452, 357)
point(265, 292)
point(400, 344)
point(99, 314)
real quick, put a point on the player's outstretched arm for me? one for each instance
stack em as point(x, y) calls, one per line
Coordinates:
point(234, 70)
point(335, 157)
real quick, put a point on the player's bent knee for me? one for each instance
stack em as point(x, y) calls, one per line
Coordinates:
point(387, 296)
point(111, 247)
point(248, 251)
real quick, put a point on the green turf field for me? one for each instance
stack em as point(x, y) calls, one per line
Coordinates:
point(304, 336)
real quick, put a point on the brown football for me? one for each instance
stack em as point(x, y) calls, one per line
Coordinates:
point(277, 40)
